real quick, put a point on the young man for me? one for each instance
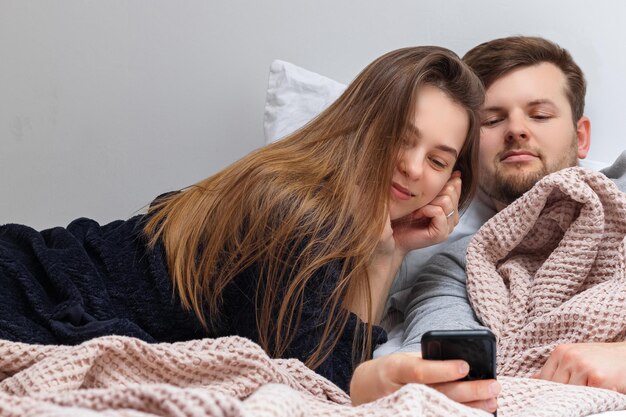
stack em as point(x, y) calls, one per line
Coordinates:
point(533, 125)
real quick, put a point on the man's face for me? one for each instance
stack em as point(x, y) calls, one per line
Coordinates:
point(527, 131)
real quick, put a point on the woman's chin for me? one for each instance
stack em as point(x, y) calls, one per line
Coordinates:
point(400, 218)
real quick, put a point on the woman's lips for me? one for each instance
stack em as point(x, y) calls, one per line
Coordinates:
point(400, 192)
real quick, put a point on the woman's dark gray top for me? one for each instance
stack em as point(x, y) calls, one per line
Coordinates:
point(68, 285)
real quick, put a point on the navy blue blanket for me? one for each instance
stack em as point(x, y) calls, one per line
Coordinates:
point(68, 285)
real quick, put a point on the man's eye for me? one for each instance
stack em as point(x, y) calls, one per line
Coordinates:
point(541, 116)
point(491, 121)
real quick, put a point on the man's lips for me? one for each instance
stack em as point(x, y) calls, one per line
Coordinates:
point(518, 156)
point(400, 192)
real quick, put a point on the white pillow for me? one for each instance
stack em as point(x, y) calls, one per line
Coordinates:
point(295, 96)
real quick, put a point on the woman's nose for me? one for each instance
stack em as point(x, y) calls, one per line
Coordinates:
point(411, 165)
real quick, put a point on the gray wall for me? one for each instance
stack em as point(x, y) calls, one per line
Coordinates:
point(106, 104)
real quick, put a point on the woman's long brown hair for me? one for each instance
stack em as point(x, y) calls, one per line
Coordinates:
point(318, 196)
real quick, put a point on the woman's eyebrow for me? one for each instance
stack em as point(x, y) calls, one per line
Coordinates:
point(413, 130)
point(448, 149)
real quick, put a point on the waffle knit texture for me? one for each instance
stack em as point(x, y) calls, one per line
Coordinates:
point(231, 377)
point(549, 269)
point(562, 244)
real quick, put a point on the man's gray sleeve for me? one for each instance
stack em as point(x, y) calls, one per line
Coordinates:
point(438, 300)
point(617, 172)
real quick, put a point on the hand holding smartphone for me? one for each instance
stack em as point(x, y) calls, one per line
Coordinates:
point(476, 347)
point(378, 377)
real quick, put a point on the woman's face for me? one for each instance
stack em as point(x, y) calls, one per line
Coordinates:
point(435, 137)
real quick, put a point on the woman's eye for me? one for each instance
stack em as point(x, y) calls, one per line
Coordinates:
point(438, 163)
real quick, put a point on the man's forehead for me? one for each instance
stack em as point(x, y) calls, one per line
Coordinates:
point(531, 84)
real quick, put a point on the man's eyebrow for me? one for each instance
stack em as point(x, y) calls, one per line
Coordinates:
point(531, 103)
point(416, 132)
point(492, 108)
point(541, 101)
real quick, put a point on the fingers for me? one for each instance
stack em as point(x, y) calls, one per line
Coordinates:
point(453, 186)
point(443, 376)
point(449, 210)
point(379, 377)
point(468, 391)
point(568, 364)
point(547, 371)
point(404, 368)
point(579, 379)
point(439, 225)
point(554, 369)
point(448, 199)
point(490, 405)
point(562, 375)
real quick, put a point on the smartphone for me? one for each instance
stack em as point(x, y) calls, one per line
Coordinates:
point(476, 347)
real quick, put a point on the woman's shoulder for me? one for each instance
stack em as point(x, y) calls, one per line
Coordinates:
point(85, 227)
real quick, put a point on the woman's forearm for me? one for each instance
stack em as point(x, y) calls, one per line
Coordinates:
point(381, 273)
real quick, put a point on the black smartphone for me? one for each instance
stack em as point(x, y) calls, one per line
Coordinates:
point(476, 347)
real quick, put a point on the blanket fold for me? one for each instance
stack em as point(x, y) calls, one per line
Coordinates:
point(232, 377)
point(550, 269)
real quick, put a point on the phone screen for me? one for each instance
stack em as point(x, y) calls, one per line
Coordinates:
point(476, 347)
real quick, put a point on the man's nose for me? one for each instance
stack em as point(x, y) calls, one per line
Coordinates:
point(517, 129)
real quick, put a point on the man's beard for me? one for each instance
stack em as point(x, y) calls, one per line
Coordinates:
point(508, 187)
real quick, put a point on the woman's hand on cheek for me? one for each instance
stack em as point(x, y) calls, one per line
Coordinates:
point(382, 376)
point(432, 223)
point(448, 200)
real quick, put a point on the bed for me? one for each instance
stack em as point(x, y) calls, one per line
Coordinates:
point(232, 376)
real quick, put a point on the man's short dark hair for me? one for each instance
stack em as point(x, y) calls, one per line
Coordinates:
point(491, 60)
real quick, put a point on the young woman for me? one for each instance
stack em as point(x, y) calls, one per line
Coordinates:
point(294, 246)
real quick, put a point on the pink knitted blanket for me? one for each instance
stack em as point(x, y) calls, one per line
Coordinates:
point(563, 270)
point(231, 377)
point(550, 269)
